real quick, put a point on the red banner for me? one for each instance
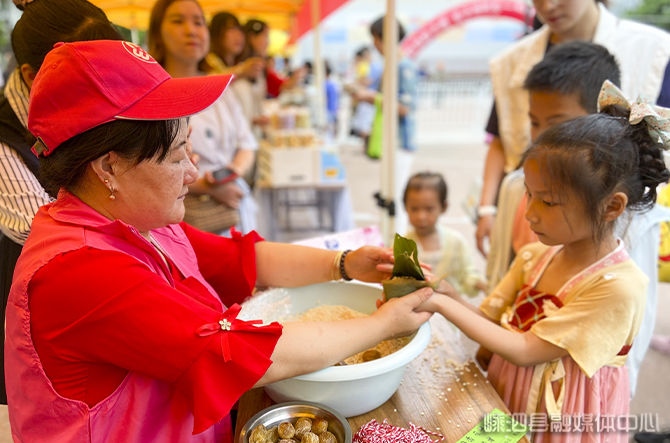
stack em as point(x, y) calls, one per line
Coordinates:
point(517, 10)
point(303, 19)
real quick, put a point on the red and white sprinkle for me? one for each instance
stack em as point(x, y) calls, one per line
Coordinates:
point(374, 432)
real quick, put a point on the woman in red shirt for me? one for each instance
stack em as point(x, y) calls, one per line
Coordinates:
point(122, 320)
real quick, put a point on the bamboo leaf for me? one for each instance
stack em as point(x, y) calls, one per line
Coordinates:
point(406, 256)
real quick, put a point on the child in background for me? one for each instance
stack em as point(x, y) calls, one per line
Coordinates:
point(444, 249)
point(562, 320)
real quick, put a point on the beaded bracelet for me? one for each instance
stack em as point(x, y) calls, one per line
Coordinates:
point(343, 273)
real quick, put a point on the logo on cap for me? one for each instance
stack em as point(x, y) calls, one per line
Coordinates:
point(137, 52)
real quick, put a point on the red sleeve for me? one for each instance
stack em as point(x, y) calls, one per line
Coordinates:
point(274, 83)
point(91, 308)
point(228, 264)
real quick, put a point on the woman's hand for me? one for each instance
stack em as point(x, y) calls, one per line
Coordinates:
point(195, 158)
point(250, 68)
point(484, 227)
point(369, 264)
point(401, 315)
point(365, 95)
point(228, 194)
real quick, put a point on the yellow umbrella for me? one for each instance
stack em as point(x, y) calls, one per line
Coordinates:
point(134, 14)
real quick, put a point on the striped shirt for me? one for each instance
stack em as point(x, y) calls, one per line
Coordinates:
point(21, 194)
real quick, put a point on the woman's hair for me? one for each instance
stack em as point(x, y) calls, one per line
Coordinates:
point(220, 23)
point(597, 155)
point(45, 23)
point(131, 139)
point(427, 180)
point(154, 37)
point(252, 27)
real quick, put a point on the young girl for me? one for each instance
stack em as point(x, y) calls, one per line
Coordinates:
point(564, 317)
point(444, 249)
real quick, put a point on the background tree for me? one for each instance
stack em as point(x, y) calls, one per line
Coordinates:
point(654, 12)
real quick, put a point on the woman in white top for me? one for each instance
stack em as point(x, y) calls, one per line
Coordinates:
point(179, 41)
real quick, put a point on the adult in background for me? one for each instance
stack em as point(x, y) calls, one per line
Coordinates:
point(179, 40)
point(407, 83)
point(41, 25)
point(122, 323)
point(642, 52)
point(257, 36)
point(227, 44)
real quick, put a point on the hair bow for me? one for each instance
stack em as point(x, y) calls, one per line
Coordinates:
point(657, 117)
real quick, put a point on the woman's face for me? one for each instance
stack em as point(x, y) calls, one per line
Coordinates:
point(233, 40)
point(184, 32)
point(562, 16)
point(151, 194)
point(260, 42)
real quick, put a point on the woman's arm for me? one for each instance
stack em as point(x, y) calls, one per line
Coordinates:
point(242, 161)
point(281, 264)
point(309, 346)
point(522, 349)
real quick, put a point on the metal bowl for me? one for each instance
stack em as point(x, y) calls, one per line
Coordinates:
point(293, 410)
point(352, 389)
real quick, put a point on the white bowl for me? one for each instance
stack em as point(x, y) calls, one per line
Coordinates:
point(351, 390)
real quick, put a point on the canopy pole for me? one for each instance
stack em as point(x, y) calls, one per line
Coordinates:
point(318, 67)
point(390, 118)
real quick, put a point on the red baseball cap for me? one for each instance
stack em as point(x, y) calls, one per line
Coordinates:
point(82, 85)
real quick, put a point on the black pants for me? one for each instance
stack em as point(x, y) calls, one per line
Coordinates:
point(9, 253)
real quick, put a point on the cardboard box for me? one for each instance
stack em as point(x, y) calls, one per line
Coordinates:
point(288, 166)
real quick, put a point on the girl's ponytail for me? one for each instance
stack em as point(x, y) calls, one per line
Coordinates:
point(652, 170)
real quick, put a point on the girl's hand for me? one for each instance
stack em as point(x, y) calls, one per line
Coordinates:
point(401, 315)
point(446, 289)
point(369, 264)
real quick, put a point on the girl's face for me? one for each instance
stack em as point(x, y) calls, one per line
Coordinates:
point(556, 219)
point(151, 194)
point(423, 208)
point(562, 16)
point(233, 41)
point(259, 42)
point(184, 32)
